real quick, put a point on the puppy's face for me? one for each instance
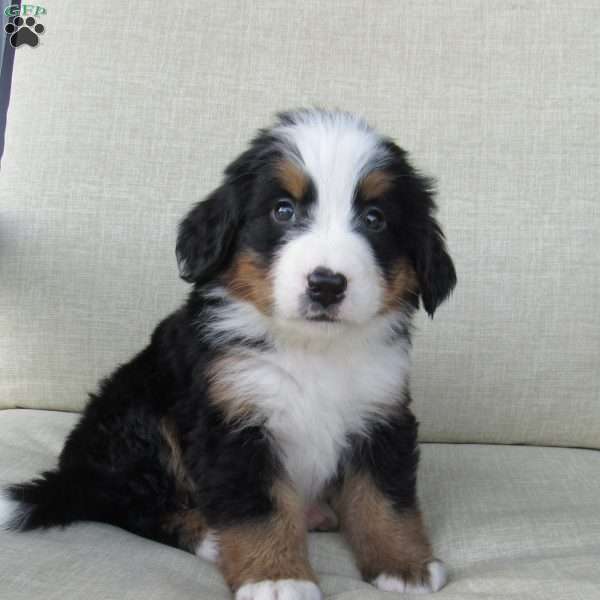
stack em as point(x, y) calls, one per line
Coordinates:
point(321, 221)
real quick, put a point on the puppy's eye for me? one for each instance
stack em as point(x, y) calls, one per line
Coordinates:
point(284, 211)
point(373, 219)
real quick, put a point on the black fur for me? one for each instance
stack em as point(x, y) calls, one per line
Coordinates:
point(410, 209)
point(114, 465)
point(390, 456)
point(206, 236)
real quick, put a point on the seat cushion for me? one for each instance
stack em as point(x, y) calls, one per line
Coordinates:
point(510, 521)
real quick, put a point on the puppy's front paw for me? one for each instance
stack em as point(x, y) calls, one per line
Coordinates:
point(431, 578)
point(282, 589)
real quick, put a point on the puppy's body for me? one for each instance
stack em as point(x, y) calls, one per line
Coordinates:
point(333, 389)
point(282, 380)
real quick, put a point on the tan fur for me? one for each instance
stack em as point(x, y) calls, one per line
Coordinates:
point(268, 549)
point(292, 178)
point(187, 525)
point(174, 459)
point(248, 279)
point(221, 394)
point(383, 539)
point(401, 284)
point(375, 184)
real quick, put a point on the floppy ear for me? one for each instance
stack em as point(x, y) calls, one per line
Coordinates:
point(435, 269)
point(206, 236)
point(433, 266)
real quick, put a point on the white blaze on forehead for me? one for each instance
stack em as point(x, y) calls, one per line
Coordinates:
point(336, 150)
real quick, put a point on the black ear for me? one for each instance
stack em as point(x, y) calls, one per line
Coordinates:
point(433, 265)
point(206, 236)
point(435, 269)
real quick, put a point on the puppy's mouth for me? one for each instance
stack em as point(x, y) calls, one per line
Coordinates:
point(322, 319)
point(317, 313)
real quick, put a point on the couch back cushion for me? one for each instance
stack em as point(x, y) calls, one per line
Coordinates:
point(120, 120)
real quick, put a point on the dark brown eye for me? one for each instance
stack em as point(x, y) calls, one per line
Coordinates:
point(284, 211)
point(373, 219)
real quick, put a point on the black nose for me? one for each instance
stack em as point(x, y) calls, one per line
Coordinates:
point(326, 287)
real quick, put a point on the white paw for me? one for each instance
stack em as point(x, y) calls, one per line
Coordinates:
point(435, 580)
point(282, 589)
point(208, 548)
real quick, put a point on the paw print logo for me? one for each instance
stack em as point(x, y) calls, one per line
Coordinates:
point(24, 31)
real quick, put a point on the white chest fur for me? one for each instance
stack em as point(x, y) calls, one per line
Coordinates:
point(311, 398)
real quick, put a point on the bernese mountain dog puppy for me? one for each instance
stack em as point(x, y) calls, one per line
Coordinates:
point(276, 399)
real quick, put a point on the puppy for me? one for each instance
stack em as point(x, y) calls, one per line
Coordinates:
point(282, 382)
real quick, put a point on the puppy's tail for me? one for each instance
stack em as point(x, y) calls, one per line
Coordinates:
point(55, 498)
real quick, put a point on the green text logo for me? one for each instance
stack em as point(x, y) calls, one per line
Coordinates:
point(14, 10)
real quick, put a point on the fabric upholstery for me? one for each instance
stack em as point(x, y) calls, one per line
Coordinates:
point(511, 522)
point(119, 121)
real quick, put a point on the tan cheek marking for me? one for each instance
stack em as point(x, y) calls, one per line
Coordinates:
point(292, 179)
point(375, 184)
point(271, 549)
point(400, 286)
point(248, 279)
point(383, 540)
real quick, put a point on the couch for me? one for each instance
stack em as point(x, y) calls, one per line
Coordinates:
point(124, 115)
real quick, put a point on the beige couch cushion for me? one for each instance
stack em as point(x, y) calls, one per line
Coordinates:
point(511, 522)
point(119, 121)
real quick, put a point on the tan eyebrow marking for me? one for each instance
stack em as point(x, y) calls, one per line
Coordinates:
point(292, 178)
point(375, 184)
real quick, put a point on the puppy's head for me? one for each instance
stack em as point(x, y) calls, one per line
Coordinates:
point(321, 220)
